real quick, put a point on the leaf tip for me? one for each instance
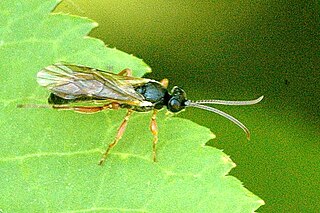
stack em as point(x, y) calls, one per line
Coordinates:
point(261, 202)
point(95, 24)
point(212, 135)
point(148, 70)
point(226, 159)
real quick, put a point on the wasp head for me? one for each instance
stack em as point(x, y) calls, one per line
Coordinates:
point(177, 100)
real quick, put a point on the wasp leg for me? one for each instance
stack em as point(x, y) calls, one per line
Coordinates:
point(154, 131)
point(84, 109)
point(121, 130)
point(126, 72)
point(164, 82)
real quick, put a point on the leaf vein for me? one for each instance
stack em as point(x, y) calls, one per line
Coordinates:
point(105, 209)
point(47, 154)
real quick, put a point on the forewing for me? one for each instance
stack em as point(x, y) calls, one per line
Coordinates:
point(73, 81)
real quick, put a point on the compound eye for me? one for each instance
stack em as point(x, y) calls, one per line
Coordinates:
point(177, 91)
point(174, 105)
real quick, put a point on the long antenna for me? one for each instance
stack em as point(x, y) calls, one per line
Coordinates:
point(223, 102)
point(219, 112)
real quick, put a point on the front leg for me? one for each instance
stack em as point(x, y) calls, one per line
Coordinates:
point(154, 131)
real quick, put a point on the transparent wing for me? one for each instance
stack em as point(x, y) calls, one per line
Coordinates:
point(73, 81)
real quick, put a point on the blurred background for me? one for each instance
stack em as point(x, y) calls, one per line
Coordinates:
point(235, 50)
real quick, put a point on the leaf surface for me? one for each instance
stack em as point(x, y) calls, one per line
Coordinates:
point(48, 160)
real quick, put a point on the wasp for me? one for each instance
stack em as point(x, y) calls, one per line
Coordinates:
point(88, 90)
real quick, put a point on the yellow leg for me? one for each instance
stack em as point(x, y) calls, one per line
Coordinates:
point(121, 130)
point(87, 109)
point(81, 109)
point(126, 72)
point(164, 82)
point(154, 131)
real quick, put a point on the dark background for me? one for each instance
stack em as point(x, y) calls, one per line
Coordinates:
point(238, 51)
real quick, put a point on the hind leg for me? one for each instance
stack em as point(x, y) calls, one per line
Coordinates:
point(121, 130)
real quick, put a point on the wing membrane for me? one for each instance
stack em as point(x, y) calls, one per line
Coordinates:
point(74, 82)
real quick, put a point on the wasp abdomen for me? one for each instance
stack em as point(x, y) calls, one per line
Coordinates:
point(57, 100)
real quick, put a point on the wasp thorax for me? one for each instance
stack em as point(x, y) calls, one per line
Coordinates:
point(177, 101)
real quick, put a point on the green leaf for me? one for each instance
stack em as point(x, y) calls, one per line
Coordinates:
point(48, 158)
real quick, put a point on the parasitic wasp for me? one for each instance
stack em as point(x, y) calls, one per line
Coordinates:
point(88, 90)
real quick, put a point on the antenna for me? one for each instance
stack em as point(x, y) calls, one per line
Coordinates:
point(198, 104)
point(235, 103)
